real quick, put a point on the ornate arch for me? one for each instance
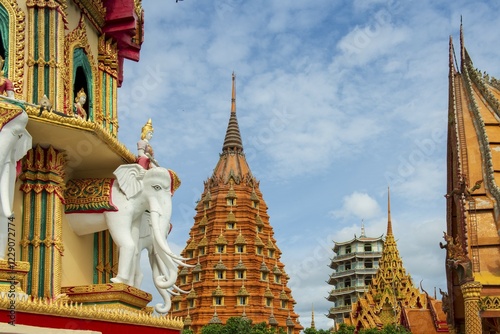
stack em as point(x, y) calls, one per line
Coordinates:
point(77, 39)
point(12, 30)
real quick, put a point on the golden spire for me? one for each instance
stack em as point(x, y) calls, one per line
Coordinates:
point(233, 142)
point(389, 223)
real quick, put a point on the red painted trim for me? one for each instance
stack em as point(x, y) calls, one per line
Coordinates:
point(105, 327)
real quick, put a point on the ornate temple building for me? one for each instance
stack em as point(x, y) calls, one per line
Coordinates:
point(392, 298)
point(472, 239)
point(237, 270)
point(61, 66)
point(355, 263)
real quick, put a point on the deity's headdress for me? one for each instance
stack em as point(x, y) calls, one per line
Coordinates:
point(80, 93)
point(148, 127)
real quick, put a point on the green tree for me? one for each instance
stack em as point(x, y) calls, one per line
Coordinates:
point(212, 329)
point(238, 325)
point(187, 331)
point(344, 329)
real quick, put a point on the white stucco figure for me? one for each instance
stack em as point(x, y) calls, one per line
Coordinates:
point(15, 141)
point(137, 192)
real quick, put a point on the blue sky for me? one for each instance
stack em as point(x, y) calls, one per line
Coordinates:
point(336, 100)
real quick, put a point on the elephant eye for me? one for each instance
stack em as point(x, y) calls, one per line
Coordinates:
point(156, 187)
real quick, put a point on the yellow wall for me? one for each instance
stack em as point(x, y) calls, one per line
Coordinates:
point(78, 257)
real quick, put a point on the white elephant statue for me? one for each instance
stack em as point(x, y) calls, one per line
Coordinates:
point(15, 142)
point(137, 191)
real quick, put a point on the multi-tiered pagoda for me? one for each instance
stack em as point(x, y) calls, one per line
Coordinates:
point(355, 263)
point(237, 270)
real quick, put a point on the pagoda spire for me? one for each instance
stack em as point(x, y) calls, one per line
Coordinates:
point(232, 141)
point(389, 222)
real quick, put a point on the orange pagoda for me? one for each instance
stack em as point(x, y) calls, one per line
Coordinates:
point(393, 299)
point(237, 270)
point(472, 239)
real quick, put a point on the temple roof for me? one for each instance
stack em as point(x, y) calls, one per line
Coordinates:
point(232, 162)
point(390, 288)
point(474, 162)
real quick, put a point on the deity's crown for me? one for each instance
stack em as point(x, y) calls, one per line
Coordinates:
point(148, 127)
point(80, 93)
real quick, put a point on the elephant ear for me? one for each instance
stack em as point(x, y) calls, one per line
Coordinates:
point(129, 178)
point(175, 182)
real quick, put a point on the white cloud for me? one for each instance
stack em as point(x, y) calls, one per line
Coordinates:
point(360, 205)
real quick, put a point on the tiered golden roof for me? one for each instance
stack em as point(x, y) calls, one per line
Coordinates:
point(391, 293)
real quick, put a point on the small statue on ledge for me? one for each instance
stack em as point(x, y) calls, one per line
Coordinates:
point(78, 109)
point(6, 87)
point(145, 151)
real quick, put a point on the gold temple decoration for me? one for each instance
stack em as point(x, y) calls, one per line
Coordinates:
point(64, 308)
point(94, 10)
point(54, 20)
point(17, 28)
point(78, 39)
point(78, 123)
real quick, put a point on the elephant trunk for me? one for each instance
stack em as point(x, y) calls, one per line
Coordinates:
point(163, 255)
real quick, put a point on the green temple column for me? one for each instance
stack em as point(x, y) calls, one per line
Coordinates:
point(41, 236)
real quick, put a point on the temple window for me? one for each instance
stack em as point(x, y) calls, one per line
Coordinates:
point(347, 283)
point(231, 201)
point(284, 304)
point(271, 253)
point(196, 277)
point(368, 264)
point(347, 301)
point(202, 229)
point(348, 249)
point(277, 278)
point(220, 274)
point(269, 301)
point(348, 266)
point(259, 229)
point(221, 248)
point(183, 280)
point(240, 248)
point(82, 79)
point(201, 251)
point(191, 303)
point(230, 226)
point(263, 276)
point(367, 280)
point(242, 300)
point(219, 301)
point(189, 254)
point(255, 204)
point(240, 274)
point(177, 306)
point(258, 250)
point(368, 247)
